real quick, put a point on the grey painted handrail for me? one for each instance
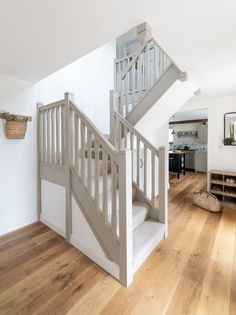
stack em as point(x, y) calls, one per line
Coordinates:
point(107, 145)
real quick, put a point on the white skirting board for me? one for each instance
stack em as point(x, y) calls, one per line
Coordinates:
point(6, 228)
point(84, 239)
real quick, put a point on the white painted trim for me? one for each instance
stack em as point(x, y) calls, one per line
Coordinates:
point(6, 228)
point(102, 261)
point(55, 228)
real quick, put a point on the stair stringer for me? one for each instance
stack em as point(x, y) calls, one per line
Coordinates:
point(153, 95)
point(101, 232)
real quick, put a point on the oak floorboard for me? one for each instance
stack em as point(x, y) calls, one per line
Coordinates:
point(191, 272)
point(216, 292)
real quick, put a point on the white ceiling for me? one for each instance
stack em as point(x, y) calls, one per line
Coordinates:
point(40, 37)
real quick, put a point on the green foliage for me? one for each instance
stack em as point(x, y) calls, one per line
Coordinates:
point(11, 117)
point(228, 141)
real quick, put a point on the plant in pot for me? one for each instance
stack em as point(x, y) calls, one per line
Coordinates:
point(228, 141)
point(15, 127)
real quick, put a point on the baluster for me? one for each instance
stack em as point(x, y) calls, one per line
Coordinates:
point(89, 180)
point(72, 131)
point(153, 178)
point(76, 122)
point(122, 97)
point(40, 135)
point(82, 172)
point(147, 66)
point(119, 135)
point(141, 73)
point(138, 160)
point(63, 135)
point(139, 76)
point(105, 201)
point(53, 135)
point(127, 94)
point(125, 137)
point(133, 86)
point(114, 189)
point(48, 135)
point(97, 148)
point(58, 160)
point(44, 136)
point(145, 169)
point(161, 61)
point(155, 63)
point(132, 152)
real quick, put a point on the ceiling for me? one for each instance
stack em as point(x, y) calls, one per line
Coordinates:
point(40, 37)
point(190, 115)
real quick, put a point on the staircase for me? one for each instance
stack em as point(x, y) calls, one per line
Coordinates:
point(110, 185)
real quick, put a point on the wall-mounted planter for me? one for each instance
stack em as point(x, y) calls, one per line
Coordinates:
point(15, 125)
point(15, 129)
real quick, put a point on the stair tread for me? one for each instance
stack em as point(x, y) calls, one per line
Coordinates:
point(145, 238)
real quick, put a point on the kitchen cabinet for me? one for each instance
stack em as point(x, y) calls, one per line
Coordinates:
point(202, 133)
point(201, 161)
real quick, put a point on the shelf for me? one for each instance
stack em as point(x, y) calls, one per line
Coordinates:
point(222, 193)
point(226, 173)
point(17, 117)
point(223, 183)
point(217, 179)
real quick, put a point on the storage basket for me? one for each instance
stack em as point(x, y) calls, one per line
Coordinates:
point(15, 129)
point(206, 201)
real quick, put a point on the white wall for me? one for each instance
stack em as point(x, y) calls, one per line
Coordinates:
point(157, 117)
point(17, 159)
point(220, 157)
point(90, 79)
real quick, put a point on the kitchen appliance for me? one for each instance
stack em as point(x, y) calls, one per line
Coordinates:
point(186, 148)
point(190, 160)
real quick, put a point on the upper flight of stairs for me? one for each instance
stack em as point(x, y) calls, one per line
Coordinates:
point(113, 180)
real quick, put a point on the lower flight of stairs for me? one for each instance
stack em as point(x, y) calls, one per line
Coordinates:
point(147, 233)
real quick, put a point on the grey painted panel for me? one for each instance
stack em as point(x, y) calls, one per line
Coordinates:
point(153, 95)
point(54, 174)
point(102, 233)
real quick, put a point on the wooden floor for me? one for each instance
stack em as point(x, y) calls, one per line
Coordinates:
point(192, 272)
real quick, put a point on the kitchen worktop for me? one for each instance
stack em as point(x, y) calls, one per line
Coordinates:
point(177, 152)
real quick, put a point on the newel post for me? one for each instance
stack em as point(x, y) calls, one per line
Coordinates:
point(163, 187)
point(125, 218)
point(39, 153)
point(67, 154)
point(112, 118)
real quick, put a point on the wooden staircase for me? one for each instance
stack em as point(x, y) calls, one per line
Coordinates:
point(114, 182)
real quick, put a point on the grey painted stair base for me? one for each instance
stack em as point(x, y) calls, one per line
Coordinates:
point(145, 238)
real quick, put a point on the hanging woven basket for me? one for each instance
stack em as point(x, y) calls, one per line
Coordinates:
point(15, 129)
